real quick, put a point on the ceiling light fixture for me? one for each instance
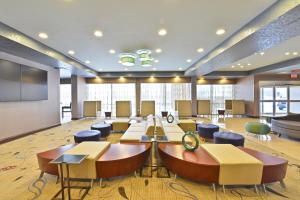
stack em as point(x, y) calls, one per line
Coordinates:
point(144, 54)
point(232, 66)
point(154, 68)
point(188, 60)
point(249, 64)
point(146, 63)
point(200, 50)
point(162, 32)
point(220, 31)
point(71, 52)
point(262, 53)
point(126, 69)
point(287, 53)
point(242, 66)
point(43, 35)
point(127, 59)
point(179, 68)
point(239, 64)
point(156, 61)
point(87, 62)
point(295, 53)
point(98, 33)
point(158, 50)
point(112, 51)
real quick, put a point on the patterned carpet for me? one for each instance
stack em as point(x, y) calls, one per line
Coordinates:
point(19, 172)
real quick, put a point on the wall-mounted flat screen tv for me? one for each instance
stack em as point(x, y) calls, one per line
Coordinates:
point(34, 84)
point(22, 83)
point(10, 81)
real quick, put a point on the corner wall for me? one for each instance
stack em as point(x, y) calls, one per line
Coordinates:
point(17, 118)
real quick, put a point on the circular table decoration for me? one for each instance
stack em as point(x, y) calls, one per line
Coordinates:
point(170, 118)
point(187, 146)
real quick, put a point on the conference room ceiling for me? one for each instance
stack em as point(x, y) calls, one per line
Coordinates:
point(131, 25)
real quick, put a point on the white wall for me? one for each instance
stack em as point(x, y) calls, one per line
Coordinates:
point(17, 118)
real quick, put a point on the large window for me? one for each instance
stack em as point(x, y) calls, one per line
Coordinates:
point(108, 94)
point(217, 94)
point(165, 94)
point(279, 100)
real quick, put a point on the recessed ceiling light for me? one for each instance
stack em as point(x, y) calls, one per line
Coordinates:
point(125, 68)
point(98, 33)
point(43, 35)
point(112, 51)
point(295, 53)
point(232, 66)
point(162, 32)
point(188, 60)
point(287, 53)
point(249, 64)
point(156, 61)
point(100, 69)
point(153, 68)
point(239, 64)
point(262, 53)
point(179, 68)
point(87, 62)
point(200, 50)
point(71, 52)
point(158, 50)
point(242, 66)
point(120, 61)
point(220, 31)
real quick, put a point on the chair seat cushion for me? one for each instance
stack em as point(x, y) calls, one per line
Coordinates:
point(229, 138)
point(87, 135)
point(257, 128)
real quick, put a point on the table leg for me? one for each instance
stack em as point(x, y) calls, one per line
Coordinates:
point(62, 181)
point(68, 177)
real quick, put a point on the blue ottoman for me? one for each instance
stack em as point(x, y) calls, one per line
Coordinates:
point(229, 138)
point(207, 130)
point(103, 128)
point(87, 135)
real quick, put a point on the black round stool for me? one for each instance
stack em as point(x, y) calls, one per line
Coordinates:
point(87, 135)
point(229, 138)
point(103, 128)
point(207, 130)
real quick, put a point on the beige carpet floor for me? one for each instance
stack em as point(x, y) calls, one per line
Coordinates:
point(19, 170)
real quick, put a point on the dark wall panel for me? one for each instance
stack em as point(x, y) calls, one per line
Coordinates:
point(10, 83)
point(34, 84)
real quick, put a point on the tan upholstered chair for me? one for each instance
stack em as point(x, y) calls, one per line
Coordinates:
point(238, 107)
point(203, 107)
point(147, 108)
point(123, 108)
point(90, 108)
point(228, 106)
point(184, 108)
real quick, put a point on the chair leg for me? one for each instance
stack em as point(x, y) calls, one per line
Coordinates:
point(282, 184)
point(223, 186)
point(264, 188)
point(256, 189)
point(213, 187)
point(41, 175)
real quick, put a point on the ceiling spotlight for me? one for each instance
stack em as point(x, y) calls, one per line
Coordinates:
point(287, 53)
point(128, 59)
point(71, 52)
point(87, 62)
point(156, 61)
point(232, 66)
point(158, 50)
point(125, 68)
point(98, 33)
point(220, 31)
point(179, 68)
point(295, 53)
point(162, 32)
point(120, 62)
point(200, 50)
point(43, 35)
point(242, 66)
point(249, 64)
point(188, 60)
point(112, 51)
point(154, 68)
point(262, 53)
point(239, 64)
point(100, 69)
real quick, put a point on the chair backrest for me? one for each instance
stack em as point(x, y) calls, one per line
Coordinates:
point(147, 108)
point(123, 108)
point(184, 108)
point(238, 107)
point(228, 104)
point(203, 107)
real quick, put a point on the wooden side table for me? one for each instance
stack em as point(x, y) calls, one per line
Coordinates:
point(68, 160)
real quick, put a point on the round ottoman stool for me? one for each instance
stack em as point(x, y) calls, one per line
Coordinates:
point(207, 130)
point(257, 128)
point(87, 135)
point(103, 128)
point(229, 138)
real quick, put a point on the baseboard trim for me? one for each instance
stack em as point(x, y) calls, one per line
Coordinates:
point(9, 139)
